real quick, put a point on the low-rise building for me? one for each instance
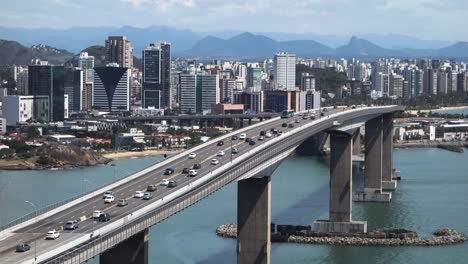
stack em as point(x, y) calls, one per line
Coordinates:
point(226, 109)
point(18, 109)
point(65, 139)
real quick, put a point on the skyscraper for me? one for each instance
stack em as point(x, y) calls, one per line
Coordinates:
point(119, 50)
point(111, 91)
point(157, 90)
point(198, 93)
point(254, 78)
point(74, 88)
point(284, 71)
point(48, 80)
point(86, 63)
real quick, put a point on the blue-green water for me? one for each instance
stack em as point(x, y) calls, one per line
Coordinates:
point(432, 194)
point(463, 111)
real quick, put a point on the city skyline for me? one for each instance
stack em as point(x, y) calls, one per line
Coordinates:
point(337, 17)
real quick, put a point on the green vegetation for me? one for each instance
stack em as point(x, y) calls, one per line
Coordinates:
point(326, 80)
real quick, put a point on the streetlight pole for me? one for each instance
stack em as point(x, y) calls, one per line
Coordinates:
point(35, 239)
point(231, 149)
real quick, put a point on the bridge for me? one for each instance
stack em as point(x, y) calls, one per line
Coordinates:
point(124, 239)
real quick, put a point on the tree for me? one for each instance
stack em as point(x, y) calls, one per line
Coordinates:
point(32, 132)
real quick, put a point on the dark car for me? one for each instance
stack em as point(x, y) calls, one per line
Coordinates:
point(251, 143)
point(220, 143)
point(284, 125)
point(234, 137)
point(23, 247)
point(104, 218)
point(197, 166)
point(151, 188)
point(262, 133)
point(275, 131)
point(248, 140)
point(291, 125)
point(71, 225)
point(169, 171)
point(322, 114)
point(172, 184)
point(185, 170)
point(272, 129)
point(312, 117)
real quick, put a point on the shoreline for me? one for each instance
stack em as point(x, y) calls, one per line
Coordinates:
point(447, 108)
point(131, 154)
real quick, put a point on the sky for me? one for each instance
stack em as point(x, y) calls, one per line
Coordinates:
point(428, 19)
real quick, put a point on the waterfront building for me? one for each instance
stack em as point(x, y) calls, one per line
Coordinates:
point(111, 90)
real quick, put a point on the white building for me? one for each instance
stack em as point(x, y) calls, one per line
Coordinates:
point(17, 109)
point(284, 71)
point(86, 63)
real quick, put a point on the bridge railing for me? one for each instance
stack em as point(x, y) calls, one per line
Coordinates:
point(120, 181)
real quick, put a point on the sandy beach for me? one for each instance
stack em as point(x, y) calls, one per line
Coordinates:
point(438, 109)
point(129, 154)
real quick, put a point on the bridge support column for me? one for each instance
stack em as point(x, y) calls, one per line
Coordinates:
point(253, 220)
point(250, 121)
point(132, 251)
point(373, 162)
point(341, 183)
point(387, 154)
point(357, 143)
point(241, 123)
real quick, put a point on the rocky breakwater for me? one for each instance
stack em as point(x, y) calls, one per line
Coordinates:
point(378, 237)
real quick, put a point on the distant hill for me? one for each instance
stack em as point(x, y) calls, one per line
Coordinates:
point(362, 47)
point(459, 50)
point(11, 52)
point(250, 45)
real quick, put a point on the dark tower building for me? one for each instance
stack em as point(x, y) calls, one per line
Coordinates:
point(157, 76)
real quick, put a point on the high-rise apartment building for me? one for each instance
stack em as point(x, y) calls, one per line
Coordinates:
point(284, 71)
point(119, 50)
point(156, 79)
point(254, 78)
point(86, 63)
point(74, 82)
point(111, 90)
point(396, 85)
point(48, 80)
point(307, 82)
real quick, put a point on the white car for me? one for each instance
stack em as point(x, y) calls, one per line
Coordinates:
point(106, 194)
point(214, 162)
point(242, 136)
point(192, 155)
point(268, 135)
point(220, 153)
point(109, 199)
point(164, 182)
point(138, 194)
point(261, 138)
point(53, 234)
point(97, 213)
point(192, 172)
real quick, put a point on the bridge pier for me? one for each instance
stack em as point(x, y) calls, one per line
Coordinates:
point(253, 220)
point(132, 251)
point(387, 154)
point(357, 143)
point(341, 182)
point(373, 162)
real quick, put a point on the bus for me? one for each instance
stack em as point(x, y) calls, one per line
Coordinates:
point(287, 114)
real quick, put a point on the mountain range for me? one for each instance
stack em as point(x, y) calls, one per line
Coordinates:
point(241, 46)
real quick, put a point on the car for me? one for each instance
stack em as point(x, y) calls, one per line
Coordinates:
point(193, 173)
point(284, 125)
point(109, 199)
point(305, 117)
point(192, 155)
point(53, 234)
point(22, 247)
point(196, 166)
point(147, 196)
point(122, 203)
point(322, 114)
point(291, 125)
point(262, 133)
point(164, 182)
point(138, 194)
point(242, 136)
point(214, 162)
point(234, 137)
point(169, 171)
point(272, 129)
point(268, 135)
point(97, 213)
point(275, 131)
point(220, 143)
point(312, 117)
point(234, 150)
point(248, 140)
point(260, 138)
point(104, 218)
point(172, 184)
point(106, 194)
point(251, 143)
point(151, 188)
point(280, 132)
point(71, 225)
point(185, 170)
point(297, 121)
point(220, 153)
